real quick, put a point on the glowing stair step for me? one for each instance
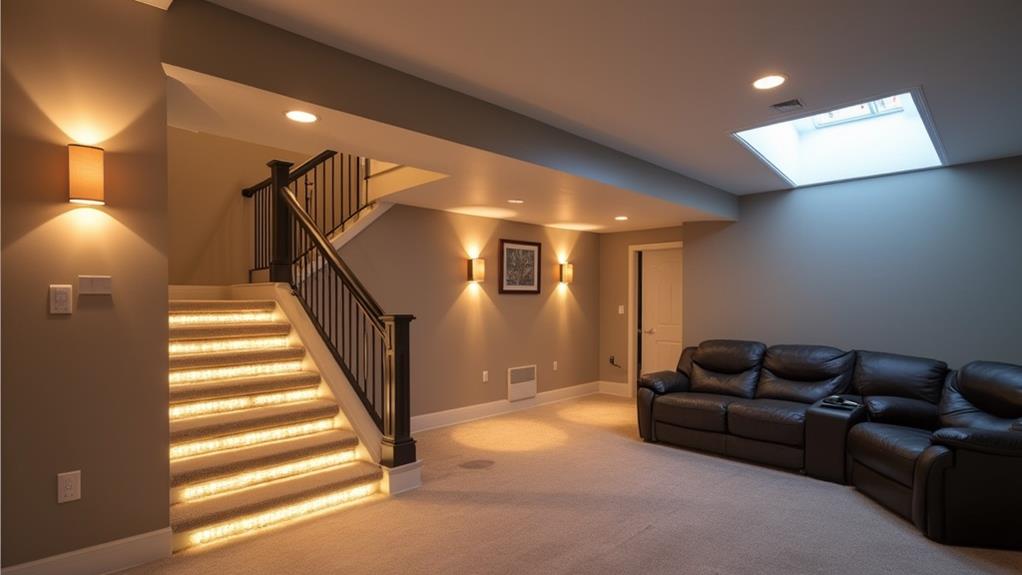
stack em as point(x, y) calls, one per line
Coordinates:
point(228, 330)
point(269, 503)
point(234, 357)
point(182, 306)
point(242, 421)
point(192, 477)
point(233, 387)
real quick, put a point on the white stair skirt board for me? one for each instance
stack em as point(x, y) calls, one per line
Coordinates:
point(500, 407)
point(400, 479)
point(103, 558)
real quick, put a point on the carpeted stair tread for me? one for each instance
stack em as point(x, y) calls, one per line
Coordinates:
point(235, 386)
point(235, 357)
point(213, 465)
point(236, 504)
point(220, 306)
point(242, 420)
point(229, 330)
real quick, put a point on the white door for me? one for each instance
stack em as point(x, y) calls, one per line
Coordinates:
point(661, 310)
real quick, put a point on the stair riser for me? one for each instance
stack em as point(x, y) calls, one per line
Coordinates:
point(224, 345)
point(198, 392)
point(257, 476)
point(212, 445)
point(308, 506)
point(221, 429)
point(234, 371)
point(227, 405)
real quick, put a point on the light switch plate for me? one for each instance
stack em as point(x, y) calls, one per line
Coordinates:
point(60, 298)
point(486, 376)
point(69, 486)
point(621, 310)
point(555, 366)
point(95, 285)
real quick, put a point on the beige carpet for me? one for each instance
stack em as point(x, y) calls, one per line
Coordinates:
point(569, 488)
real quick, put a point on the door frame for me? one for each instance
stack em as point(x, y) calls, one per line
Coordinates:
point(633, 304)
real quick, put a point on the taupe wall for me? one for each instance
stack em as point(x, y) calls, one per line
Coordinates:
point(210, 221)
point(86, 391)
point(614, 292)
point(413, 260)
point(927, 263)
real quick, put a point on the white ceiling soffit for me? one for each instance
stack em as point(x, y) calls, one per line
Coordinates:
point(480, 182)
point(669, 80)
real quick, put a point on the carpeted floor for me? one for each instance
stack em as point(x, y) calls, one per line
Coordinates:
point(569, 488)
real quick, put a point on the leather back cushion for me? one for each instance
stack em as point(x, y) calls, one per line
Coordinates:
point(898, 375)
point(727, 367)
point(685, 361)
point(983, 394)
point(804, 373)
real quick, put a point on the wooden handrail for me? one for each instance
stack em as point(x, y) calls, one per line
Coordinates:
point(298, 172)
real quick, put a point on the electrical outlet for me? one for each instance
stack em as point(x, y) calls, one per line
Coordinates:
point(486, 376)
point(69, 486)
point(555, 366)
point(612, 362)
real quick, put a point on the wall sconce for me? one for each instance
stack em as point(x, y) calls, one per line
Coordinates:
point(85, 175)
point(567, 273)
point(476, 270)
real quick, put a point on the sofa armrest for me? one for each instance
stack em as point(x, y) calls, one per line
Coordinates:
point(661, 382)
point(1007, 443)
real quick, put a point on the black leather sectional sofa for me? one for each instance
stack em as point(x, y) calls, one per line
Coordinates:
point(941, 448)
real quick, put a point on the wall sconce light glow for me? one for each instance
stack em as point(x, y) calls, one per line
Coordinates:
point(301, 117)
point(621, 218)
point(516, 201)
point(85, 175)
point(476, 270)
point(769, 82)
point(567, 273)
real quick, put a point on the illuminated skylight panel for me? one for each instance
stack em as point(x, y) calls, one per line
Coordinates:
point(872, 138)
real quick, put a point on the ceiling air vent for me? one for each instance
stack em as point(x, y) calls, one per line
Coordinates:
point(792, 105)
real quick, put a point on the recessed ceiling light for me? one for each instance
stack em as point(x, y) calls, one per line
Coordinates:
point(516, 201)
point(621, 218)
point(301, 117)
point(769, 82)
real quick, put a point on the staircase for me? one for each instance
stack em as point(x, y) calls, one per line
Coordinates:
point(256, 439)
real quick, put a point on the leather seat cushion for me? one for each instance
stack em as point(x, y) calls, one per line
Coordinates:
point(705, 411)
point(773, 420)
point(890, 450)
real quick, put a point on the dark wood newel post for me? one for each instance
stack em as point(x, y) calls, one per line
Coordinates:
point(398, 446)
point(280, 258)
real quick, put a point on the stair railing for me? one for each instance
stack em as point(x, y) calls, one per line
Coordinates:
point(371, 347)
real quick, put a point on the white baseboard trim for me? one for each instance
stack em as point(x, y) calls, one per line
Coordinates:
point(400, 479)
point(499, 407)
point(103, 558)
point(618, 388)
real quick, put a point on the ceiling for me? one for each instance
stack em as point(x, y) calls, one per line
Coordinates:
point(479, 182)
point(668, 80)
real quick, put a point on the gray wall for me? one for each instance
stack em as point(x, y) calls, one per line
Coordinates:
point(926, 263)
point(414, 260)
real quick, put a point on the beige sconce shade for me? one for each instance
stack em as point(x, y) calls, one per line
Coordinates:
point(476, 270)
point(85, 175)
point(567, 273)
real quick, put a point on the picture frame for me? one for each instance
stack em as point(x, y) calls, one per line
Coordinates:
point(520, 266)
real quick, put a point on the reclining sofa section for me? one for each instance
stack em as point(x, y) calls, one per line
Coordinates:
point(942, 449)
